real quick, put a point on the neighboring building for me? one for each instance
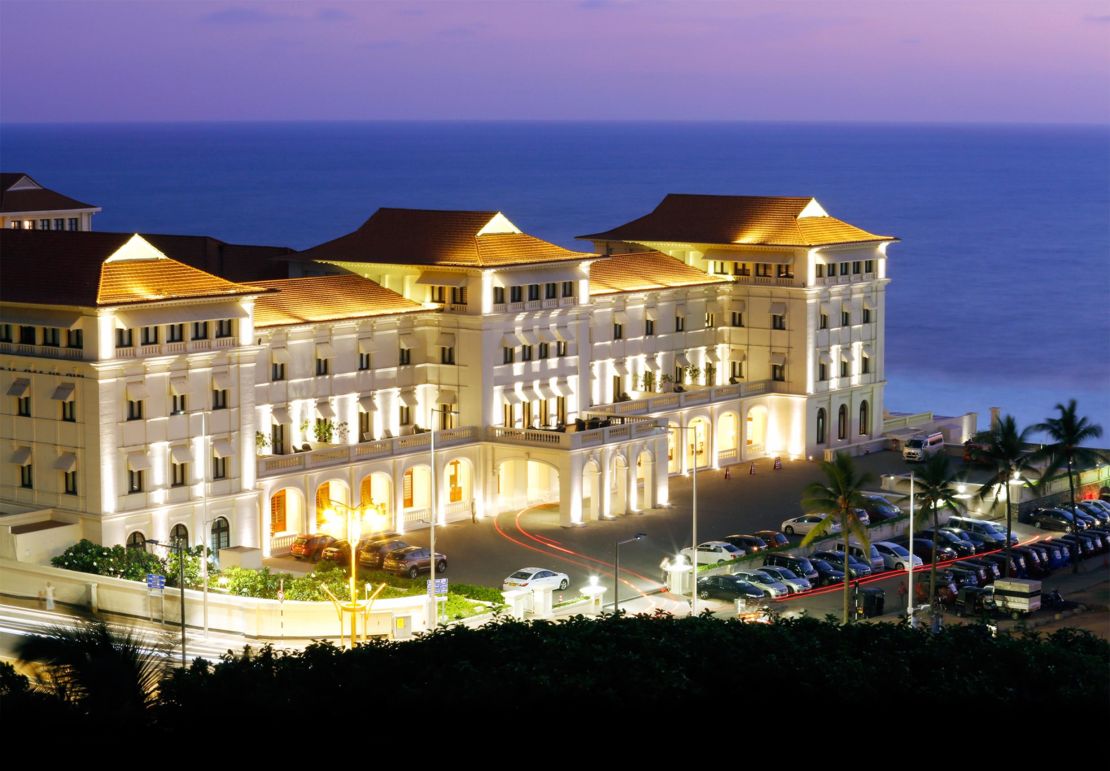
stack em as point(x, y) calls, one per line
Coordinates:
point(27, 205)
point(714, 330)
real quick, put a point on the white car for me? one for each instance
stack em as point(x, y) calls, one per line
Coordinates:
point(793, 582)
point(764, 581)
point(894, 556)
point(803, 524)
point(535, 578)
point(715, 552)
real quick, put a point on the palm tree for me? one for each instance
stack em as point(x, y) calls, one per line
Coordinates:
point(840, 499)
point(1006, 449)
point(107, 675)
point(1068, 432)
point(936, 482)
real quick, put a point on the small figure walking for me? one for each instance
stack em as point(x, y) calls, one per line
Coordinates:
point(49, 596)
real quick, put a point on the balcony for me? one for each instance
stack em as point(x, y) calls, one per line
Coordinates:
point(649, 404)
point(47, 351)
point(630, 428)
point(337, 455)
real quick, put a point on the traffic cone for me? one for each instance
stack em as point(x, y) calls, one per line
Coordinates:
point(751, 471)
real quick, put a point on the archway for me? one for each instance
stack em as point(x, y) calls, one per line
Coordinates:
point(591, 495)
point(220, 536)
point(822, 425)
point(697, 443)
point(179, 535)
point(457, 489)
point(136, 540)
point(416, 495)
point(756, 433)
point(864, 418)
point(525, 482)
point(728, 436)
point(618, 486)
point(326, 492)
point(674, 463)
point(288, 517)
point(645, 480)
point(376, 489)
point(842, 423)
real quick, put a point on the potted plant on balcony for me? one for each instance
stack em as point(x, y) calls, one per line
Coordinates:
point(261, 442)
point(693, 372)
point(323, 431)
point(665, 382)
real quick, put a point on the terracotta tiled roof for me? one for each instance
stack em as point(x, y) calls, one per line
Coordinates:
point(71, 268)
point(429, 237)
point(640, 271)
point(326, 298)
point(734, 219)
point(33, 197)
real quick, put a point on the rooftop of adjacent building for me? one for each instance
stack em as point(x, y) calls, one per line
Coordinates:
point(426, 237)
point(326, 298)
point(739, 220)
point(20, 193)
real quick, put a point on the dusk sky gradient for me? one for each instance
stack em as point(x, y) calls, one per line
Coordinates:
point(843, 60)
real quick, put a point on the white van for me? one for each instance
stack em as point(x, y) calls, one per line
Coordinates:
point(921, 447)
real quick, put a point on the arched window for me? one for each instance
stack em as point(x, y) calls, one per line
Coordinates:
point(221, 535)
point(179, 536)
point(864, 419)
point(821, 426)
point(136, 541)
point(842, 423)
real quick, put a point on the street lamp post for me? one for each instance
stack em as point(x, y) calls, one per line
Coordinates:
point(354, 527)
point(432, 506)
point(617, 569)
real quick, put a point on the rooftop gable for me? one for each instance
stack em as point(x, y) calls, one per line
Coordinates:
point(326, 298)
point(739, 220)
point(20, 193)
point(643, 271)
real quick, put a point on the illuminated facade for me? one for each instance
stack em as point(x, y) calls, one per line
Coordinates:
point(713, 331)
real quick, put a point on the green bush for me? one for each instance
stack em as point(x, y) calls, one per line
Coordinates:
point(115, 561)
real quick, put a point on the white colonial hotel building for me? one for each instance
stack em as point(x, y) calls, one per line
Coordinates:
point(154, 399)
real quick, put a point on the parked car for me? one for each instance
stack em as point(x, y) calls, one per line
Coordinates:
point(1050, 519)
point(856, 567)
point(880, 509)
point(750, 544)
point(871, 557)
point(1063, 550)
point(981, 544)
point(1083, 547)
point(984, 571)
point(993, 570)
point(896, 556)
point(793, 581)
point(800, 566)
point(723, 587)
point(963, 576)
point(960, 546)
point(310, 546)
point(535, 578)
point(827, 572)
point(372, 553)
point(988, 530)
point(1033, 564)
point(764, 581)
point(923, 550)
point(714, 552)
point(1096, 511)
point(411, 561)
point(806, 522)
point(773, 538)
point(1017, 564)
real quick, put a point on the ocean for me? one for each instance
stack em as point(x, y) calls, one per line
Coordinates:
point(1000, 284)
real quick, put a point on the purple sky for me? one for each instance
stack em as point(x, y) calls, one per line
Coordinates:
point(900, 60)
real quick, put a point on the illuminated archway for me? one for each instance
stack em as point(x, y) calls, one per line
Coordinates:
point(697, 443)
point(645, 480)
point(457, 489)
point(526, 482)
point(756, 430)
point(288, 517)
point(591, 493)
point(416, 495)
point(326, 493)
point(376, 489)
point(728, 436)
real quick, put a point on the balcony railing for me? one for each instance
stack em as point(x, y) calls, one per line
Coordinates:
point(650, 404)
point(47, 351)
point(573, 440)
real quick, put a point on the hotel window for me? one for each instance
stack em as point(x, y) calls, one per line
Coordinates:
point(516, 294)
point(59, 223)
point(763, 269)
point(26, 476)
point(219, 398)
point(649, 327)
point(821, 426)
point(778, 321)
point(75, 338)
point(737, 318)
point(737, 370)
point(844, 269)
point(70, 482)
point(175, 333)
point(69, 411)
point(568, 289)
point(44, 224)
point(618, 331)
point(784, 271)
point(845, 318)
point(679, 323)
point(717, 266)
point(363, 361)
point(842, 422)
point(52, 337)
point(436, 293)
point(219, 467)
point(499, 295)
point(533, 291)
point(134, 480)
point(618, 387)
point(778, 372)
point(869, 266)
point(200, 330)
point(822, 371)
point(447, 354)
point(550, 290)
point(856, 267)
point(322, 364)
point(526, 353)
point(5, 333)
point(277, 439)
point(149, 335)
point(741, 269)
point(845, 368)
point(177, 404)
point(124, 338)
point(507, 355)
point(866, 315)
point(136, 540)
point(404, 416)
point(458, 295)
point(23, 406)
point(179, 474)
point(561, 348)
point(864, 419)
point(74, 223)
point(679, 374)
point(710, 320)
point(225, 327)
point(820, 270)
point(277, 371)
point(824, 321)
point(561, 410)
point(865, 365)
point(134, 409)
point(507, 415)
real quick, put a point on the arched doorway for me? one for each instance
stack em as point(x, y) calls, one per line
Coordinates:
point(728, 436)
point(864, 418)
point(591, 498)
point(326, 493)
point(697, 443)
point(618, 486)
point(756, 429)
point(457, 489)
point(645, 480)
point(376, 490)
point(523, 483)
point(416, 495)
